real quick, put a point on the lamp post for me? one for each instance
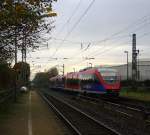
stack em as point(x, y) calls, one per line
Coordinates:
point(138, 64)
point(127, 64)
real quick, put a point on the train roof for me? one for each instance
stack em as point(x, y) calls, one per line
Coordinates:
point(106, 69)
point(100, 69)
point(92, 69)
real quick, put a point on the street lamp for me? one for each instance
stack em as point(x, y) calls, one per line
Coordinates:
point(127, 64)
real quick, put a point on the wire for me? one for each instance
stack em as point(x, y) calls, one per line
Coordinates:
point(138, 22)
point(110, 49)
point(73, 13)
point(103, 52)
point(74, 26)
point(68, 20)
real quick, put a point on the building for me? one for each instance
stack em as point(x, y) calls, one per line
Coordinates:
point(143, 70)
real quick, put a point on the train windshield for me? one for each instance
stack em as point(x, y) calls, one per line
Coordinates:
point(110, 76)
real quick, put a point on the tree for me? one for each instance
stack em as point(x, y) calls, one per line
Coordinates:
point(52, 72)
point(41, 79)
point(21, 23)
point(23, 73)
point(7, 76)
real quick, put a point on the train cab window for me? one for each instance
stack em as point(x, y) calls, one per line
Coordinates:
point(110, 76)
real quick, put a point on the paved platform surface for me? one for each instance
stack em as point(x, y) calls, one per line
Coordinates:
point(30, 116)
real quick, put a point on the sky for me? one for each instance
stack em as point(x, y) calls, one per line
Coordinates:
point(93, 32)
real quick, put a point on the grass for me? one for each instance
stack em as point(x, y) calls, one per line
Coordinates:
point(140, 94)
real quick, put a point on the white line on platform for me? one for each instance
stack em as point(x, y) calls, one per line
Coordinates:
point(29, 117)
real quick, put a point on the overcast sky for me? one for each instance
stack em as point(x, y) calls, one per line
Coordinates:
point(100, 29)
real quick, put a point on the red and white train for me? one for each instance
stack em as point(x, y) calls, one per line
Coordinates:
point(91, 80)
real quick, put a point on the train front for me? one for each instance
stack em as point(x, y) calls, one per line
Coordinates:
point(110, 78)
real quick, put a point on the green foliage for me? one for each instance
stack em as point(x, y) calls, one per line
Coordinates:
point(142, 94)
point(146, 83)
point(53, 72)
point(127, 83)
point(7, 76)
point(41, 79)
point(22, 70)
point(21, 23)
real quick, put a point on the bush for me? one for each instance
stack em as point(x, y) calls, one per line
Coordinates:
point(146, 83)
point(127, 83)
point(7, 76)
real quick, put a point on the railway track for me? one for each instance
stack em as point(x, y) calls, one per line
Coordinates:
point(127, 103)
point(109, 115)
point(121, 107)
point(80, 122)
point(133, 103)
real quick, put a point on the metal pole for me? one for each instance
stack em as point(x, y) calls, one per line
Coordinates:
point(127, 65)
point(138, 70)
point(63, 69)
point(134, 61)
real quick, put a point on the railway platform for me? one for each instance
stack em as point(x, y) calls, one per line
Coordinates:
point(30, 115)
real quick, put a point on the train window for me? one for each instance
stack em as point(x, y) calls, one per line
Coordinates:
point(87, 78)
point(110, 76)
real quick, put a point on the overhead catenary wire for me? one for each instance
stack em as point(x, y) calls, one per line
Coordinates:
point(72, 15)
point(113, 36)
point(136, 23)
point(74, 26)
point(140, 21)
point(110, 49)
point(100, 53)
point(68, 20)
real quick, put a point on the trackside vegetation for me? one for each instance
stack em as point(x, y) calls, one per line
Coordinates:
point(142, 94)
point(7, 76)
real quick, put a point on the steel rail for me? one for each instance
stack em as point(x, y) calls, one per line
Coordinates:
point(83, 113)
point(74, 129)
point(143, 113)
point(121, 105)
